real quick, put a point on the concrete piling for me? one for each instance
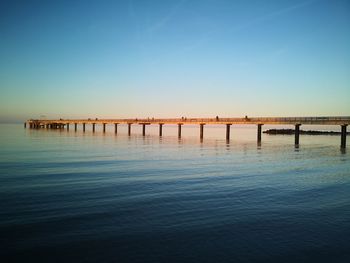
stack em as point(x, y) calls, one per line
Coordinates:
point(228, 131)
point(179, 130)
point(201, 130)
point(129, 129)
point(297, 134)
point(343, 136)
point(143, 129)
point(160, 129)
point(259, 132)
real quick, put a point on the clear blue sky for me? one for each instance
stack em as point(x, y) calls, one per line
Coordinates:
point(174, 58)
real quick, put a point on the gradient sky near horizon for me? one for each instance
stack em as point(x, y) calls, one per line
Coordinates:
point(77, 59)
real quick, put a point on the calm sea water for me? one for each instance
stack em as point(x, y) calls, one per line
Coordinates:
point(75, 197)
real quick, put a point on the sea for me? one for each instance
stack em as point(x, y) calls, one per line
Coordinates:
point(70, 196)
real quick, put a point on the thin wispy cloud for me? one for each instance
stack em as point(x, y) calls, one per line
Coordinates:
point(165, 19)
point(256, 21)
point(271, 16)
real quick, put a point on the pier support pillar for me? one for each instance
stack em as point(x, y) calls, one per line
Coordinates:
point(259, 132)
point(228, 130)
point(67, 126)
point(297, 133)
point(104, 127)
point(160, 129)
point(201, 130)
point(115, 128)
point(75, 126)
point(93, 127)
point(83, 127)
point(129, 129)
point(143, 129)
point(179, 130)
point(343, 136)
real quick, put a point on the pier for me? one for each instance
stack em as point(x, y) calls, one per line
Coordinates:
point(343, 122)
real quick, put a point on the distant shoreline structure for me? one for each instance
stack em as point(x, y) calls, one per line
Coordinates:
point(292, 132)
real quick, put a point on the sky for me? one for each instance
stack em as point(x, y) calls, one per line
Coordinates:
point(173, 58)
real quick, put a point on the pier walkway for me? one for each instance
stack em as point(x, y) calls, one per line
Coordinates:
point(259, 121)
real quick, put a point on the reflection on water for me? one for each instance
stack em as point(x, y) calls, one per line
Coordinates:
point(87, 197)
